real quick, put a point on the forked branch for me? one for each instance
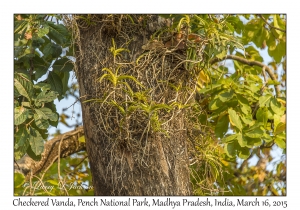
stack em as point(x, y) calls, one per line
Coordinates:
point(276, 28)
point(250, 63)
point(66, 144)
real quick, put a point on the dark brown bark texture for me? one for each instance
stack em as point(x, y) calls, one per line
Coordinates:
point(128, 155)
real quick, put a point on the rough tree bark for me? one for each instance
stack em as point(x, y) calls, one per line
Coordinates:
point(160, 166)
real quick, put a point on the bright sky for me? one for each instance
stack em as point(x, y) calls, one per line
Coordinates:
point(71, 111)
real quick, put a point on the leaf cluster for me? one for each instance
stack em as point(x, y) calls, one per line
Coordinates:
point(41, 72)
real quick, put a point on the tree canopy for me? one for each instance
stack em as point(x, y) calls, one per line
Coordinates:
point(234, 100)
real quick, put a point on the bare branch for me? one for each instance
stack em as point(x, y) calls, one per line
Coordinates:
point(250, 63)
point(245, 162)
point(279, 29)
point(69, 145)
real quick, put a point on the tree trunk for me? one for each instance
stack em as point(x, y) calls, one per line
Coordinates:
point(129, 153)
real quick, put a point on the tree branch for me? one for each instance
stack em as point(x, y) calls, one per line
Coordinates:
point(69, 144)
point(279, 29)
point(250, 63)
point(245, 162)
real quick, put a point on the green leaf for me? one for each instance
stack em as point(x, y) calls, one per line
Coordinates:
point(40, 122)
point(255, 133)
point(203, 119)
point(123, 77)
point(43, 31)
point(52, 116)
point(27, 52)
point(276, 107)
point(52, 106)
point(245, 109)
point(16, 103)
point(253, 78)
point(280, 51)
point(264, 100)
point(41, 115)
point(36, 141)
point(235, 119)
point(26, 104)
point(271, 42)
point(46, 113)
point(229, 26)
point(42, 86)
point(278, 34)
point(20, 115)
point(250, 30)
point(19, 180)
point(16, 94)
point(20, 25)
point(273, 82)
point(275, 21)
point(222, 54)
point(52, 50)
point(237, 23)
point(238, 67)
point(244, 104)
point(210, 87)
point(280, 128)
point(262, 115)
point(31, 154)
point(230, 149)
point(23, 84)
point(276, 120)
point(281, 22)
point(282, 136)
point(226, 96)
point(58, 32)
point(20, 137)
point(20, 44)
point(21, 143)
point(259, 38)
point(244, 153)
point(55, 82)
point(242, 140)
point(46, 96)
point(254, 54)
point(215, 104)
point(267, 138)
point(37, 42)
point(252, 142)
point(43, 132)
point(40, 67)
point(280, 142)
point(254, 88)
point(248, 120)
point(222, 126)
point(65, 81)
point(229, 138)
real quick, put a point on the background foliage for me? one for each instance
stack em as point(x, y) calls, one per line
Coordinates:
point(241, 114)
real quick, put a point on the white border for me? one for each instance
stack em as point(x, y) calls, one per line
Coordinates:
point(8, 8)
